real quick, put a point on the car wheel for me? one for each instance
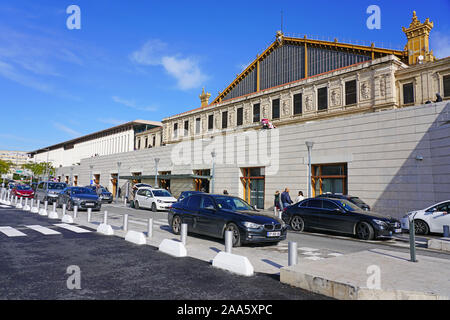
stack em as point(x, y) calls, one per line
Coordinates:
point(176, 225)
point(136, 204)
point(364, 231)
point(297, 223)
point(421, 227)
point(236, 234)
point(154, 209)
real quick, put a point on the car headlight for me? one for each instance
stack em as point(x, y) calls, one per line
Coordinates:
point(379, 222)
point(251, 225)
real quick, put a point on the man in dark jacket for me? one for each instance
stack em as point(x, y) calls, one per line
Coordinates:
point(286, 198)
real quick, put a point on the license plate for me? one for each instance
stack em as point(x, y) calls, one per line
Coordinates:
point(398, 230)
point(90, 204)
point(274, 234)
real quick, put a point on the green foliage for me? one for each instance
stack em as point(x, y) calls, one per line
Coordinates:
point(39, 169)
point(5, 166)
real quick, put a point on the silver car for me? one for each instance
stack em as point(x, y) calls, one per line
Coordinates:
point(49, 191)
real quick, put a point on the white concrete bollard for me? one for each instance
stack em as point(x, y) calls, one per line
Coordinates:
point(20, 204)
point(105, 228)
point(43, 211)
point(150, 228)
point(66, 218)
point(75, 212)
point(26, 207)
point(53, 214)
point(36, 209)
point(89, 214)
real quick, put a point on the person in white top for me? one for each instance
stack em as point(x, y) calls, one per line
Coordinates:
point(300, 197)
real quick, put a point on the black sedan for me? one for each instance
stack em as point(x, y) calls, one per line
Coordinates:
point(83, 198)
point(212, 215)
point(339, 215)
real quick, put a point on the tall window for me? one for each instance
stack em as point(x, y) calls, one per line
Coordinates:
point(329, 178)
point(408, 93)
point(154, 140)
point(186, 127)
point(224, 119)
point(350, 92)
point(139, 144)
point(210, 122)
point(256, 113)
point(240, 116)
point(298, 103)
point(446, 80)
point(146, 142)
point(175, 130)
point(322, 98)
point(276, 109)
point(253, 182)
point(197, 125)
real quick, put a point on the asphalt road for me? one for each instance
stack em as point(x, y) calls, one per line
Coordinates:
point(34, 266)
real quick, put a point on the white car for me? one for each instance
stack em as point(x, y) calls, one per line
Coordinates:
point(432, 219)
point(155, 199)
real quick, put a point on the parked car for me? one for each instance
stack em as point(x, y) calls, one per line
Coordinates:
point(339, 215)
point(22, 191)
point(81, 197)
point(186, 194)
point(212, 215)
point(431, 219)
point(352, 199)
point(49, 191)
point(105, 196)
point(155, 199)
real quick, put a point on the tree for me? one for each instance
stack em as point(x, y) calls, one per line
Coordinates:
point(40, 169)
point(5, 166)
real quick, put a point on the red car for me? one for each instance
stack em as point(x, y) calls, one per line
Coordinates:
point(23, 191)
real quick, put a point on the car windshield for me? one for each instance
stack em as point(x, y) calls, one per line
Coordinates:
point(161, 193)
point(348, 205)
point(357, 200)
point(104, 190)
point(24, 188)
point(57, 186)
point(231, 203)
point(82, 191)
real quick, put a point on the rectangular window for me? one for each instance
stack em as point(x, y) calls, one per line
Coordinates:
point(154, 140)
point(298, 103)
point(256, 113)
point(276, 109)
point(408, 93)
point(186, 127)
point(175, 130)
point(146, 142)
point(224, 119)
point(350, 92)
point(210, 122)
point(446, 80)
point(240, 116)
point(139, 144)
point(329, 178)
point(322, 98)
point(197, 125)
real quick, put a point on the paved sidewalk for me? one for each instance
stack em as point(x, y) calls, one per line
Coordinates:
point(349, 276)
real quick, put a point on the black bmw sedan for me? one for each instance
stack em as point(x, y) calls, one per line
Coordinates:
point(339, 215)
point(212, 215)
point(83, 198)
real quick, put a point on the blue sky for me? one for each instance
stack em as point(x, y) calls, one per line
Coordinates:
point(150, 59)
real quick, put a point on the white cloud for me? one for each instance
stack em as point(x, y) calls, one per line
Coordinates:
point(186, 71)
point(132, 104)
point(8, 71)
point(67, 130)
point(440, 43)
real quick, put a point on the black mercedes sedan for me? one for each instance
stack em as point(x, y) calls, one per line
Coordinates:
point(339, 215)
point(83, 198)
point(212, 215)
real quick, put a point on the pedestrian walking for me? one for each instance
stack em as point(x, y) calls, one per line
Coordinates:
point(286, 198)
point(300, 197)
point(277, 205)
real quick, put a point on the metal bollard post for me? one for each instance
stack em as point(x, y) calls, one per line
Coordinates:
point(412, 240)
point(89, 215)
point(184, 229)
point(64, 209)
point(38, 205)
point(45, 205)
point(125, 222)
point(32, 203)
point(293, 257)
point(150, 228)
point(228, 241)
point(75, 212)
point(105, 218)
point(15, 200)
point(446, 231)
point(54, 206)
point(125, 202)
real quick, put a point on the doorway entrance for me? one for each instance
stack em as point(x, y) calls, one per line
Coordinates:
point(253, 181)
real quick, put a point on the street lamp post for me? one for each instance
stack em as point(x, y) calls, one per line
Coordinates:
point(213, 173)
point(309, 145)
point(90, 174)
point(156, 172)
point(117, 183)
point(47, 171)
point(71, 176)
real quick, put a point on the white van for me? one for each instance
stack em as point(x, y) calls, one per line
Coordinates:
point(155, 199)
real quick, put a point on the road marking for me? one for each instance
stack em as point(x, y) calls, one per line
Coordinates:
point(3, 206)
point(72, 228)
point(43, 230)
point(335, 254)
point(314, 258)
point(308, 249)
point(11, 232)
point(311, 253)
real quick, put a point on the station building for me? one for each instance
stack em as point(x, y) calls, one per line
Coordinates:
point(379, 120)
